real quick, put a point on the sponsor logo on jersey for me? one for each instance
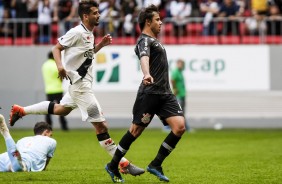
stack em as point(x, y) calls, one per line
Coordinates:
point(89, 54)
point(143, 52)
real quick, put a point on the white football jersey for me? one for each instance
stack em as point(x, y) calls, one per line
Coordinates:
point(34, 151)
point(79, 49)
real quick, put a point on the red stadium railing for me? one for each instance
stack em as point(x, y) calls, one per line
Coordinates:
point(22, 32)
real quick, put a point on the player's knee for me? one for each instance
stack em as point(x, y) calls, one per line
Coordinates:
point(93, 111)
point(136, 130)
point(179, 130)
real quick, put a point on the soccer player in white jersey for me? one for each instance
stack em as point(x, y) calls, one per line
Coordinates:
point(30, 154)
point(78, 44)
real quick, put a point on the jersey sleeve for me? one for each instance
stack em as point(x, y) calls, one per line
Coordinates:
point(69, 39)
point(143, 48)
point(52, 148)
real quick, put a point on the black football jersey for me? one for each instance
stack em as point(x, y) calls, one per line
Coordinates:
point(159, 68)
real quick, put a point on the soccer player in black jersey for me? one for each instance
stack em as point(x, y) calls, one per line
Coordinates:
point(154, 97)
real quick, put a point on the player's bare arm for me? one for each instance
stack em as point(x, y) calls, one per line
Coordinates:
point(56, 50)
point(106, 40)
point(147, 79)
point(47, 162)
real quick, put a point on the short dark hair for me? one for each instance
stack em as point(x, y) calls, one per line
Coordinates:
point(50, 55)
point(84, 7)
point(146, 14)
point(40, 127)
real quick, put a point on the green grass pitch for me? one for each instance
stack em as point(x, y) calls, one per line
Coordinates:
point(205, 157)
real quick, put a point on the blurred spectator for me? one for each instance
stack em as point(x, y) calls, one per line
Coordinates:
point(195, 8)
point(278, 3)
point(179, 88)
point(230, 10)
point(64, 12)
point(6, 27)
point(166, 8)
point(242, 5)
point(1, 10)
point(113, 17)
point(256, 24)
point(109, 18)
point(128, 13)
point(44, 20)
point(20, 7)
point(180, 10)
point(32, 8)
point(274, 22)
point(209, 9)
point(147, 3)
point(259, 7)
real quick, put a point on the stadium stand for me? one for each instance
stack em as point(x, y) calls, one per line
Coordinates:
point(247, 25)
point(194, 35)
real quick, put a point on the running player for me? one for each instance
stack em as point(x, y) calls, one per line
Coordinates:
point(154, 97)
point(79, 47)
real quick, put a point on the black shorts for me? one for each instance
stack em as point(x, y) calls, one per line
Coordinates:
point(147, 105)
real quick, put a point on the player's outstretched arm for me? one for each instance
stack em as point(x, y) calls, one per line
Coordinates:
point(147, 79)
point(56, 50)
point(106, 40)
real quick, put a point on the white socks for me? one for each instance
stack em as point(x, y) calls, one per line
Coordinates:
point(110, 147)
point(39, 108)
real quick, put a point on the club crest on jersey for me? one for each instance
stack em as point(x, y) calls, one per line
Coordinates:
point(146, 118)
point(87, 40)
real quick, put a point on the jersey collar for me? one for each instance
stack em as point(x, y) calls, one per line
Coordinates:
point(84, 27)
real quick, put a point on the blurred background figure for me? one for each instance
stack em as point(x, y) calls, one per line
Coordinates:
point(209, 9)
point(21, 11)
point(179, 89)
point(274, 22)
point(44, 20)
point(1, 10)
point(6, 27)
point(128, 14)
point(53, 87)
point(178, 86)
point(146, 3)
point(64, 13)
point(32, 7)
point(109, 15)
point(231, 10)
point(256, 23)
point(180, 10)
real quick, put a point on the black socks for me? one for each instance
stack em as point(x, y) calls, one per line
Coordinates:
point(166, 148)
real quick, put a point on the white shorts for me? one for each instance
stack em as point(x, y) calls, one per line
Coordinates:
point(81, 95)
